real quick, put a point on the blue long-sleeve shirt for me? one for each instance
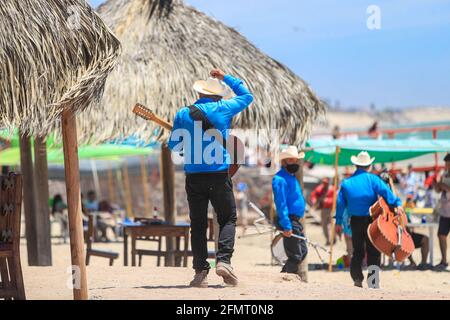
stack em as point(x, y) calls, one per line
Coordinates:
point(288, 197)
point(359, 192)
point(201, 152)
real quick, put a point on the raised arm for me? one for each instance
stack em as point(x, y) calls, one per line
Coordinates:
point(243, 96)
point(382, 189)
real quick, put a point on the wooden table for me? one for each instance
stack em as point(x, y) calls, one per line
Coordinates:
point(177, 231)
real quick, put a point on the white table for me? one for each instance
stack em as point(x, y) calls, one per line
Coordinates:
point(431, 233)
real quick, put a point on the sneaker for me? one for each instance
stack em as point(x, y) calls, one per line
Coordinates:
point(358, 284)
point(225, 271)
point(423, 267)
point(200, 280)
point(441, 267)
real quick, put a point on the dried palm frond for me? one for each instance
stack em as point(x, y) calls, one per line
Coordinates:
point(53, 54)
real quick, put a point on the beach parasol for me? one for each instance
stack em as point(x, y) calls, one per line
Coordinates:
point(55, 56)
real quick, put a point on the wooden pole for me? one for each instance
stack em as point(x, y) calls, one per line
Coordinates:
point(111, 191)
point(300, 177)
point(29, 199)
point(145, 190)
point(168, 187)
point(72, 173)
point(126, 181)
point(333, 210)
point(43, 210)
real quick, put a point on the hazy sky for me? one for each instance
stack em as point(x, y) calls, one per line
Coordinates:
point(328, 44)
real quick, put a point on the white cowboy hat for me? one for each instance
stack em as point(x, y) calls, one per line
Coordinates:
point(363, 159)
point(212, 87)
point(291, 152)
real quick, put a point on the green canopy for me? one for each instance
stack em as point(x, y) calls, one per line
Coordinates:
point(384, 151)
point(11, 156)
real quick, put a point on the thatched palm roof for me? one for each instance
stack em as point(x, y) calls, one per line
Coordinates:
point(167, 45)
point(53, 54)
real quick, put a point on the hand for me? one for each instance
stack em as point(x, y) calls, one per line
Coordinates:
point(287, 233)
point(338, 229)
point(218, 74)
point(400, 211)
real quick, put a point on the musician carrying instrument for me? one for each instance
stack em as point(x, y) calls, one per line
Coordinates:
point(388, 231)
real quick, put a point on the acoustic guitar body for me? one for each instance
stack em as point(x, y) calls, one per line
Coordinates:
point(386, 230)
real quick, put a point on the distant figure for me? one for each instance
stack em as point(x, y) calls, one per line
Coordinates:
point(59, 214)
point(336, 132)
point(443, 187)
point(374, 131)
point(106, 220)
point(322, 199)
point(242, 202)
point(412, 182)
point(91, 203)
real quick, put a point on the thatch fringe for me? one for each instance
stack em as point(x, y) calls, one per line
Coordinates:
point(167, 46)
point(53, 54)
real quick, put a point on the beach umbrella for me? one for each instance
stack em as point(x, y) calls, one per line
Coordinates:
point(55, 56)
point(168, 45)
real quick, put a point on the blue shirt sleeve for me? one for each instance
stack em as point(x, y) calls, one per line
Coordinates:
point(341, 205)
point(382, 189)
point(243, 96)
point(172, 143)
point(279, 195)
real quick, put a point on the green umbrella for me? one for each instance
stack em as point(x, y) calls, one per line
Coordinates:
point(11, 156)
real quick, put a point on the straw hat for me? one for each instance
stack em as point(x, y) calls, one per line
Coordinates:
point(291, 152)
point(363, 159)
point(212, 87)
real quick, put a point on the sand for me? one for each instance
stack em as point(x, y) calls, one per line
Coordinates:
point(258, 278)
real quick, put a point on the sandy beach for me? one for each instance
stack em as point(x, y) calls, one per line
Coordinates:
point(258, 278)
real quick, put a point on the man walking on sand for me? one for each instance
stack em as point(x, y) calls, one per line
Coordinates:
point(206, 164)
point(290, 205)
point(357, 194)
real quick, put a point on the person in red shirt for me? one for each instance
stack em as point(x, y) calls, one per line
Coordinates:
point(322, 199)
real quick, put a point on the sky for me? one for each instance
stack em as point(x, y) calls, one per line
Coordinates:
point(403, 63)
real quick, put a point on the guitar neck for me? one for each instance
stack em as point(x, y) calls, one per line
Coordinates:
point(162, 123)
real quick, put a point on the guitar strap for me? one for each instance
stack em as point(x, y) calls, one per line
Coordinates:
point(198, 115)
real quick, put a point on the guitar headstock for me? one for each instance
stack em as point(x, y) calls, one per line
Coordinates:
point(143, 112)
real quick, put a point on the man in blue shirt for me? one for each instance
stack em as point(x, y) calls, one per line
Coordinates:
point(290, 204)
point(357, 194)
point(206, 163)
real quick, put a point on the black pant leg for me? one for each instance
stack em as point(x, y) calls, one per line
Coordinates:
point(223, 202)
point(197, 194)
point(373, 255)
point(359, 246)
point(296, 249)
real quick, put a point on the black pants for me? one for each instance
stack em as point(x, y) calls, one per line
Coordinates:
point(296, 249)
point(217, 188)
point(361, 246)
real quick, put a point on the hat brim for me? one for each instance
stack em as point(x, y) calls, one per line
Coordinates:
point(284, 156)
point(199, 86)
point(355, 161)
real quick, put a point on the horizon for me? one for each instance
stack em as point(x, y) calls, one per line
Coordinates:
point(406, 63)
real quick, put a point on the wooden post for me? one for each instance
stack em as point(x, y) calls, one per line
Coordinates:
point(300, 177)
point(42, 196)
point(111, 191)
point(333, 210)
point(29, 199)
point(72, 173)
point(168, 188)
point(126, 182)
point(145, 191)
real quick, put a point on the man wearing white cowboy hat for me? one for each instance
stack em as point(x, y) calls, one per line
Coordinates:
point(207, 179)
point(357, 194)
point(290, 205)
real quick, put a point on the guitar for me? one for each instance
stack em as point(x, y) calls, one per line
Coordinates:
point(236, 149)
